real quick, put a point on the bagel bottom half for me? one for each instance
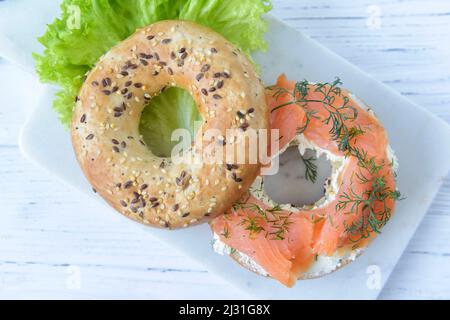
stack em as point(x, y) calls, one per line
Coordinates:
point(289, 242)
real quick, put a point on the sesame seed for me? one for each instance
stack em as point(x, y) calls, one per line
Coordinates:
point(166, 41)
point(128, 184)
point(128, 83)
point(199, 76)
point(95, 84)
point(217, 96)
point(236, 178)
point(138, 85)
point(114, 141)
point(151, 37)
point(251, 110)
point(204, 91)
point(83, 118)
point(205, 68)
point(244, 126)
point(116, 149)
point(213, 50)
point(163, 223)
point(184, 55)
point(123, 203)
point(144, 62)
point(154, 205)
point(182, 50)
point(90, 137)
point(220, 84)
point(107, 92)
point(106, 82)
point(170, 71)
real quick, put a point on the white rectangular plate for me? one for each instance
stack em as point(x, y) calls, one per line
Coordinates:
point(421, 141)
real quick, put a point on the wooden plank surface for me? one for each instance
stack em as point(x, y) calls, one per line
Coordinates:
point(50, 236)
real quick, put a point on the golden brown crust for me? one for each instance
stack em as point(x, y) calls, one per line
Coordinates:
point(105, 132)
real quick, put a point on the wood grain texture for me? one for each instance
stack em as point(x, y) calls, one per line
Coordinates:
point(49, 232)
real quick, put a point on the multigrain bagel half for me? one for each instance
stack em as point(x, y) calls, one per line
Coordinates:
point(105, 127)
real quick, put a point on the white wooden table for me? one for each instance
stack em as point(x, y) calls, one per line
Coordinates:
point(53, 245)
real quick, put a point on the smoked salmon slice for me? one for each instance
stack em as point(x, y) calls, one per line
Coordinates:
point(286, 242)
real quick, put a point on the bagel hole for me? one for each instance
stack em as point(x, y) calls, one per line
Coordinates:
point(172, 109)
point(291, 185)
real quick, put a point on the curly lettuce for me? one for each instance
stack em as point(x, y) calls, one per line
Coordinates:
point(87, 29)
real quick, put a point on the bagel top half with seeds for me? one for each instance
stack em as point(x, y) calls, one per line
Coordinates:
point(105, 126)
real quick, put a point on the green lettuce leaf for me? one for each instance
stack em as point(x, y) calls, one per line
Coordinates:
point(72, 49)
point(171, 110)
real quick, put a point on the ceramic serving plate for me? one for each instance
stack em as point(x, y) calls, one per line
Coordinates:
point(421, 141)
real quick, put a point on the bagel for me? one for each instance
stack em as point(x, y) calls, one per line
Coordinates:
point(289, 242)
point(105, 127)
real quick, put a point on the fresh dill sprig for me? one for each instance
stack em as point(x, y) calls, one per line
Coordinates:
point(279, 222)
point(250, 206)
point(311, 168)
point(373, 202)
point(225, 233)
point(251, 224)
point(309, 114)
point(281, 225)
point(337, 115)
